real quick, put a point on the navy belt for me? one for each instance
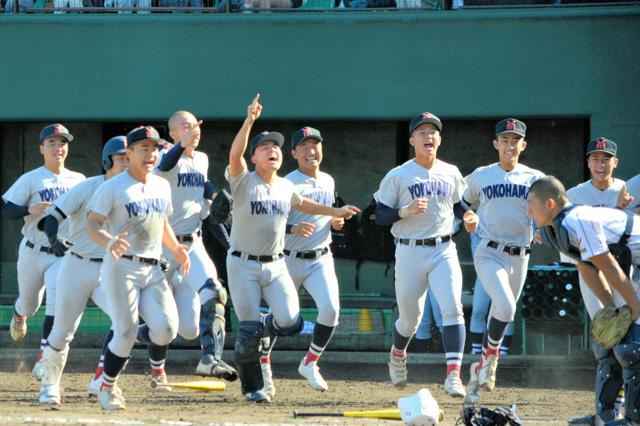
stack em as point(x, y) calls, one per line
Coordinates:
point(426, 242)
point(90, 259)
point(261, 259)
point(147, 260)
point(47, 250)
point(189, 238)
point(309, 254)
point(511, 250)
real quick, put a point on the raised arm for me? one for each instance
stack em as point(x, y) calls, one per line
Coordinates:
point(237, 163)
point(309, 206)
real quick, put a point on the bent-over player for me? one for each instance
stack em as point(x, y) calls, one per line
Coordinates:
point(135, 206)
point(502, 257)
point(420, 199)
point(79, 275)
point(255, 264)
point(38, 258)
point(586, 234)
point(186, 169)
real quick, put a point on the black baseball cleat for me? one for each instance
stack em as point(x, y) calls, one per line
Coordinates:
point(595, 420)
point(209, 366)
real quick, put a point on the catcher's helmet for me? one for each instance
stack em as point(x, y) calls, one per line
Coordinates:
point(115, 145)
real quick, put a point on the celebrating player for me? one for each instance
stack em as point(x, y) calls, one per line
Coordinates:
point(586, 234)
point(502, 256)
point(420, 199)
point(78, 278)
point(186, 170)
point(255, 264)
point(38, 258)
point(136, 205)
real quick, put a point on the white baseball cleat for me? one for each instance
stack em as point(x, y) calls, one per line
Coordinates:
point(398, 371)
point(453, 385)
point(18, 328)
point(50, 395)
point(111, 399)
point(267, 377)
point(94, 386)
point(487, 373)
point(473, 387)
point(159, 381)
point(311, 372)
point(37, 371)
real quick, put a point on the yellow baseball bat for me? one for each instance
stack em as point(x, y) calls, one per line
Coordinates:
point(203, 385)
point(389, 414)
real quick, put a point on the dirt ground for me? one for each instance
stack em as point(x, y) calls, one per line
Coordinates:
point(542, 396)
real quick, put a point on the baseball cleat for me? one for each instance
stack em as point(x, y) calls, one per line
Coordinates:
point(209, 366)
point(37, 371)
point(487, 373)
point(594, 420)
point(453, 385)
point(94, 386)
point(398, 371)
point(110, 399)
point(311, 372)
point(50, 395)
point(158, 382)
point(473, 387)
point(267, 378)
point(258, 396)
point(18, 328)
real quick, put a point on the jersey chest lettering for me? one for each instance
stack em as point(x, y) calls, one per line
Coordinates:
point(319, 196)
point(52, 194)
point(191, 179)
point(270, 207)
point(147, 206)
point(431, 188)
point(505, 190)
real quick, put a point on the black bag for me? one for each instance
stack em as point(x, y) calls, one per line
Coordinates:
point(343, 241)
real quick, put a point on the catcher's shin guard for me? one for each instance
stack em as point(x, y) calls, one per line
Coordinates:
point(247, 354)
point(608, 382)
point(212, 321)
point(271, 329)
point(628, 354)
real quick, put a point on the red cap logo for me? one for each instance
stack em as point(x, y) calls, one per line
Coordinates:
point(426, 115)
point(306, 131)
point(57, 129)
point(148, 131)
point(511, 125)
point(601, 144)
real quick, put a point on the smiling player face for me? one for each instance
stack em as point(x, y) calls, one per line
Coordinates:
point(601, 166)
point(267, 156)
point(509, 147)
point(55, 150)
point(143, 156)
point(308, 154)
point(426, 140)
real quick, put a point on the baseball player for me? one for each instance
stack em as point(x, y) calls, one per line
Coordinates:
point(78, 277)
point(186, 169)
point(255, 264)
point(420, 198)
point(308, 257)
point(38, 257)
point(586, 234)
point(632, 199)
point(135, 206)
point(502, 257)
point(602, 190)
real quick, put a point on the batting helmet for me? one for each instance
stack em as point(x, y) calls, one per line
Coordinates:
point(115, 145)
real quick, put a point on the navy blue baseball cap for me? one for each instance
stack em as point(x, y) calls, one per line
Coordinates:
point(303, 134)
point(425, 118)
point(602, 145)
point(55, 130)
point(144, 133)
point(511, 125)
point(263, 137)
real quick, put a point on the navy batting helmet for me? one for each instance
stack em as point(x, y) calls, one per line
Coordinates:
point(115, 145)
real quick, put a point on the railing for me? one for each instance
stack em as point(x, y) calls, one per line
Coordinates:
point(250, 6)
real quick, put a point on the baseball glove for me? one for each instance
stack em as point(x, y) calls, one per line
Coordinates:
point(220, 207)
point(610, 325)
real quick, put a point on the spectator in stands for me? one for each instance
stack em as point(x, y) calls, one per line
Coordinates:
point(63, 4)
point(23, 5)
point(127, 5)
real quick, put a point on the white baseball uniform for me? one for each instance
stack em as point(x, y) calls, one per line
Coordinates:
point(309, 260)
point(36, 267)
point(79, 275)
point(187, 179)
point(588, 195)
point(136, 284)
point(505, 230)
point(431, 266)
point(591, 229)
point(259, 217)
